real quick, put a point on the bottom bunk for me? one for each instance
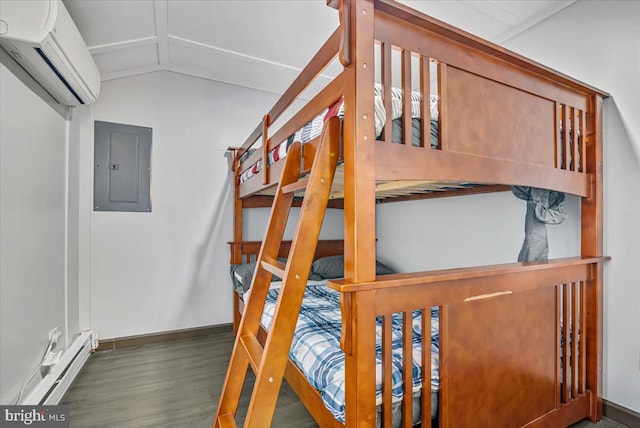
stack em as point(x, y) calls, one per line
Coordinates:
point(497, 351)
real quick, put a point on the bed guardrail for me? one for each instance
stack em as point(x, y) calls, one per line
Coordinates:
point(500, 119)
point(518, 328)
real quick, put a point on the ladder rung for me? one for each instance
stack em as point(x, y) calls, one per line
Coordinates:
point(274, 266)
point(227, 421)
point(254, 350)
point(295, 186)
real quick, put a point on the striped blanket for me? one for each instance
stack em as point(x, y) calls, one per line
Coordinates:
point(315, 348)
point(314, 127)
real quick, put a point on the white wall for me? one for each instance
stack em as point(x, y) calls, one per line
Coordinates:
point(464, 231)
point(168, 269)
point(32, 231)
point(599, 42)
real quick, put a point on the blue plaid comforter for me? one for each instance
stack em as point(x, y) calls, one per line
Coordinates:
point(316, 347)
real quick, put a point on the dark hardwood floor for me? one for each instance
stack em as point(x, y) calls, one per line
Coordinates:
point(173, 384)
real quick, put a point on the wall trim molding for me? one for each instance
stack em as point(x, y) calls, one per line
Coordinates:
point(621, 414)
point(165, 336)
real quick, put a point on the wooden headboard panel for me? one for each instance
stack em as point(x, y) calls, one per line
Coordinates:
point(246, 251)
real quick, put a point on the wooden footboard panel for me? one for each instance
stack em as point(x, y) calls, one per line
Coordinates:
point(512, 342)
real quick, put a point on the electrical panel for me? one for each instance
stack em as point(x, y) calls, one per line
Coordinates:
point(122, 167)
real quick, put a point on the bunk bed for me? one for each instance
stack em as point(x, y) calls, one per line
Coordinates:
point(518, 344)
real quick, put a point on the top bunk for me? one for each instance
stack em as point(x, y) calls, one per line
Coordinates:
point(428, 110)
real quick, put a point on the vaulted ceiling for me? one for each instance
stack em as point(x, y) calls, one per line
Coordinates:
point(260, 44)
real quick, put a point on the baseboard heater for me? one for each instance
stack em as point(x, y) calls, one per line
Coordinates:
point(53, 386)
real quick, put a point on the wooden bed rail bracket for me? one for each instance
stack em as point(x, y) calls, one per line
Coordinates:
point(234, 163)
point(344, 10)
point(346, 333)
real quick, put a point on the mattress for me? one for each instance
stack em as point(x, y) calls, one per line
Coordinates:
point(315, 348)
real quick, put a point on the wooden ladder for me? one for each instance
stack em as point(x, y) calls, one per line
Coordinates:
point(269, 362)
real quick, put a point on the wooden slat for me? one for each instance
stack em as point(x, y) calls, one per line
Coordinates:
point(407, 369)
point(426, 367)
point(294, 187)
point(443, 109)
point(443, 399)
point(425, 106)
point(265, 149)
point(274, 266)
point(583, 341)
point(226, 421)
point(253, 348)
point(411, 185)
point(386, 90)
point(447, 193)
point(575, 158)
point(415, 189)
point(566, 145)
point(406, 97)
point(574, 339)
point(557, 148)
point(583, 142)
point(558, 347)
point(387, 367)
point(566, 342)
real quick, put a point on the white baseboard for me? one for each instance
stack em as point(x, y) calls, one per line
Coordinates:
point(53, 386)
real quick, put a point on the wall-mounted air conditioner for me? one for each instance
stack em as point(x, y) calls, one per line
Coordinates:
point(42, 38)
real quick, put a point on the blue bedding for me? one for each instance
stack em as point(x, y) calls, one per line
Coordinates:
point(315, 348)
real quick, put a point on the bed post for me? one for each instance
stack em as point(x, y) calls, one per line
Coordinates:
point(236, 253)
point(592, 212)
point(357, 56)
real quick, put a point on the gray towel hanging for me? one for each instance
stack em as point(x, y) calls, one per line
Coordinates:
point(543, 207)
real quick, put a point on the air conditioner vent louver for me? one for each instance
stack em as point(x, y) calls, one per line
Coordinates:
point(55, 70)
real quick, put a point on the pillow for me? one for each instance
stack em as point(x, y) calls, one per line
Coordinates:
point(333, 267)
point(242, 274)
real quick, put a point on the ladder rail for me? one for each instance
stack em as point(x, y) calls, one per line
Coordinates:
point(274, 356)
point(250, 321)
point(303, 246)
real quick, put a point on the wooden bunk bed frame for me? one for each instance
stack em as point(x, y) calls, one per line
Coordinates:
point(520, 371)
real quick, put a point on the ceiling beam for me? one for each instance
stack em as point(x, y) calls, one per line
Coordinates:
point(161, 8)
point(129, 72)
point(126, 44)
